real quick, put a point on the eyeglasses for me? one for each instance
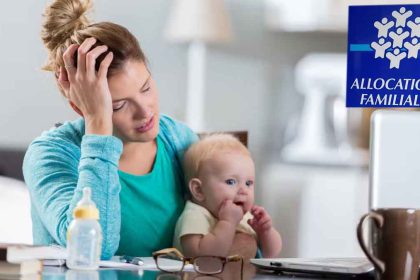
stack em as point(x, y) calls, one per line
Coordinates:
point(171, 260)
point(182, 276)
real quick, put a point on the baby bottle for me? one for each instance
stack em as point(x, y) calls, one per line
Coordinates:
point(84, 235)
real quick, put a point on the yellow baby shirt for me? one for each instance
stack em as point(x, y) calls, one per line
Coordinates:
point(196, 219)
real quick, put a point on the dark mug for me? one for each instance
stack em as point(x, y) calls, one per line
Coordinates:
point(395, 242)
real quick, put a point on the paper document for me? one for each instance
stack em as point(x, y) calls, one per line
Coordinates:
point(56, 256)
point(149, 264)
point(119, 265)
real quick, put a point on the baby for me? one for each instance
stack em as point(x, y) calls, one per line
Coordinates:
point(220, 174)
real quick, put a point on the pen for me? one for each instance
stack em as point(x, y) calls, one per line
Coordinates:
point(132, 260)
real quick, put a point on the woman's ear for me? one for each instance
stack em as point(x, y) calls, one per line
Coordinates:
point(64, 84)
point(77, 110)
point(196, 189)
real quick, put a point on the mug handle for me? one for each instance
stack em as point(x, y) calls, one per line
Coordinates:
point(379, 221)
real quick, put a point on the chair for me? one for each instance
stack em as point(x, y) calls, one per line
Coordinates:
point(241, 135)
point(11, 163)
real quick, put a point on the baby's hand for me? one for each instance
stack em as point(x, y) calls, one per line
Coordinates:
point(261, 221)
point(230, 212)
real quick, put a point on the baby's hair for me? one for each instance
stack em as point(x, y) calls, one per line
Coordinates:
point(206, 148)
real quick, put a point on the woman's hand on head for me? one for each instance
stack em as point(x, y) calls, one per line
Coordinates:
point(87, 89)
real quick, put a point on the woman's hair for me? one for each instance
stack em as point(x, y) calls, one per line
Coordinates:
point(66, 23)
point(206, 148)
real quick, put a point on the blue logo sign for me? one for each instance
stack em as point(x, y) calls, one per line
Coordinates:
point(383, 61)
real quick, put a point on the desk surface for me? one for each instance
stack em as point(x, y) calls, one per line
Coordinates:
point(231, 272)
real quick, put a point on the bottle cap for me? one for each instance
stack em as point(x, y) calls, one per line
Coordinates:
point(86, 208)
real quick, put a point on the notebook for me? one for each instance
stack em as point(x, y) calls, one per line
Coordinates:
point(53, 255)
point(15, 270)
point(21, 252)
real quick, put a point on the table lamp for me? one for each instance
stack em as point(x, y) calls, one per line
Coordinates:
point(197, 23)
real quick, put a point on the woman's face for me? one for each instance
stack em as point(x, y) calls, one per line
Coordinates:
point(135, 103)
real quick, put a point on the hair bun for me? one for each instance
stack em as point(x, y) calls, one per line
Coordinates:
point(62, 18)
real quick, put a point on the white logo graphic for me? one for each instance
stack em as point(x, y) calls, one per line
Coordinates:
point(397, 39)
point(380, 47)
point(401, 16)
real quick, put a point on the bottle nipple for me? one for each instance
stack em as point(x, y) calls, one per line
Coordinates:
point(86, 200)
point(86, 208)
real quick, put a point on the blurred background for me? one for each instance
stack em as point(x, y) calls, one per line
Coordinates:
point(274, 68)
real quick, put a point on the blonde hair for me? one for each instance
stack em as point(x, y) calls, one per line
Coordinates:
point(66, 23)
point(206, 148)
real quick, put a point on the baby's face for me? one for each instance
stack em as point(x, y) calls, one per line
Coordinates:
point(228, 175)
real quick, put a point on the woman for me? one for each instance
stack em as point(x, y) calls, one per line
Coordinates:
point(121, 147)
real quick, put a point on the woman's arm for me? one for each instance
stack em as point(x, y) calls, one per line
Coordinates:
point(242, 244)
point(56, 171)
point(219, 240)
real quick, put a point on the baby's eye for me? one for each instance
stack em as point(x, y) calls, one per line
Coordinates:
point(249, 183)
point(230, 182)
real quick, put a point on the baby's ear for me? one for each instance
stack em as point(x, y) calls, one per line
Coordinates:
point(195, 189)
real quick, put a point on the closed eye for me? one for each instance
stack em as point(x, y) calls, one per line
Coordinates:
point(146, 90)
point(118, 106)
point(230, 182)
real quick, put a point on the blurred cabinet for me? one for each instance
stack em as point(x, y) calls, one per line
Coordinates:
point(314, 15)
point(316, 209)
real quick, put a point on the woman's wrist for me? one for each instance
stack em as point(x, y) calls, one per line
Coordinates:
point(100, 126)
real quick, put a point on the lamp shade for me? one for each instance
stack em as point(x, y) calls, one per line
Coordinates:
point(199, 20)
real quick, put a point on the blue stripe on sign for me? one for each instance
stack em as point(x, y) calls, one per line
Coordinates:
point(401, 49)
point(360, 48)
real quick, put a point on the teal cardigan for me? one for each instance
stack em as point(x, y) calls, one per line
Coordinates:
point(62, 161)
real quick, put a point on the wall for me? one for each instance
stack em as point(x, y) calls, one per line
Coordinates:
point(249, 83)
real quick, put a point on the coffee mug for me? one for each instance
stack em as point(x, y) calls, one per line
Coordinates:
point(395, 242)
